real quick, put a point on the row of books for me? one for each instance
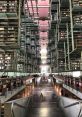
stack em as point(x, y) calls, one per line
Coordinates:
point(65, 13)
point(5, 61)
point(8, 6)
point(78, 35)
point(77, 19)
point(77, 3)
point(63, 35)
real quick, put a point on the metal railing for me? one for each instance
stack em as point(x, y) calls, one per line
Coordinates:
point(73, 104)
point(19, 106)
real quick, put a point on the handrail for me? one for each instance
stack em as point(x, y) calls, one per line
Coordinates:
point(19, 105)
point(74, 105)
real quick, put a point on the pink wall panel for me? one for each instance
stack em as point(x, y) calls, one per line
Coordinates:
point(43, 2)
point(43, 12)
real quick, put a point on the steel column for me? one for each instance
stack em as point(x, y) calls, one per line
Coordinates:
point(68, 47)
point(71, 20)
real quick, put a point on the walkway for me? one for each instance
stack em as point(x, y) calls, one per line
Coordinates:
point(10, 94)
point(44, 102)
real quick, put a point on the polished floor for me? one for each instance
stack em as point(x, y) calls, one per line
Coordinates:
point(44, 102)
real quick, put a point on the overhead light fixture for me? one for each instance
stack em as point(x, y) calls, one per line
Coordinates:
point(76, 74)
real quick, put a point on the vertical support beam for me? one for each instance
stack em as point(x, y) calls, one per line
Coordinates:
point(12, 56)
point(0, 108)
point(26, 2)
point(19, 21)
point(59, 8)
point(54, 46)
point(65, 55)
point(50, 16)
point(56, 37)
point(81, 62)
point(32, 7)
point(57, 60)
point(57, 12)
point(57, 27)
point(51, 60)
point(15, 62)
point(19, 41)
point(58, 32)
point(4, 62)
point(25, 52)
point(68, 47)
point(56, 49)
point(71, 20)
